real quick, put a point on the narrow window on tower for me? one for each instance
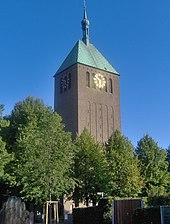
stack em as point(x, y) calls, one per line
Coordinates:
point(65, 83)
point(69, 81)
point(110, 86)
point(93, 83)
point(61, 85)
point(105, 87)
point(87, 79)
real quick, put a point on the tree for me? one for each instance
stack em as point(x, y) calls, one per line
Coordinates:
point(4, 156)
point(43, 151)
point(124, 168)
point(154, 167)
point(90, 168)
point(168, 157)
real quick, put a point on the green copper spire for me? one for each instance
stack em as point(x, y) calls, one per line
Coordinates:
point(85, 53)
point(85, 26)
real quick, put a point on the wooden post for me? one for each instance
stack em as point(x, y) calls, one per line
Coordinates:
point(50, 213)
point(46, 216)
point(43, 214)
point(48, 210)
point(55, 213)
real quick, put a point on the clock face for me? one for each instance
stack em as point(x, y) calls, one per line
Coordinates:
point(99, 80)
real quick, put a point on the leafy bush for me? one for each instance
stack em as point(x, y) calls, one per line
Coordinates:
point(100, 214)
point(159, 200)
point(147, 216)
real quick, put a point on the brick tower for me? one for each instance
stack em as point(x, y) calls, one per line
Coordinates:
point(87, 90)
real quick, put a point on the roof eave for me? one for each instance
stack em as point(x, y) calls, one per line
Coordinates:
point(59, 72)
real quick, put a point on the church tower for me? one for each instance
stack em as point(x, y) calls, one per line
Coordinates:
point(87, 90)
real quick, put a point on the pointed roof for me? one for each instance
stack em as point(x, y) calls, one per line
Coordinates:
point(87, 55)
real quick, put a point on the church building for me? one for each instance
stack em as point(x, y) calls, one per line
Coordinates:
point(87, 90)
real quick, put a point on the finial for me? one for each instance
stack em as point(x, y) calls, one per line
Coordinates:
point(85, 26)
point(85, 4)
point(85, 13)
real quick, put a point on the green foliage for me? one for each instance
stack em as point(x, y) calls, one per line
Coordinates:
point(106, 206)
point(159, 200)
point(100, 214)
point(147, 215)
point(4, 156)
point(46, 162)
point(43, 151)
point(90, 168)
point(124, 170)
point(87, 215)
point(168, 157)
point(154, 167)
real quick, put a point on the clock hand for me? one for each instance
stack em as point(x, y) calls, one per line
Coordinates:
point(98, 78)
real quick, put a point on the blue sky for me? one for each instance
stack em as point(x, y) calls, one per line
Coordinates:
point(36, 36)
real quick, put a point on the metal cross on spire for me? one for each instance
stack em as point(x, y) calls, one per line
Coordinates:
point(85, 4)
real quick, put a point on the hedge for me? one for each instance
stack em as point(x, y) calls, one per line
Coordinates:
point(93, 215)
point(147, 216)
